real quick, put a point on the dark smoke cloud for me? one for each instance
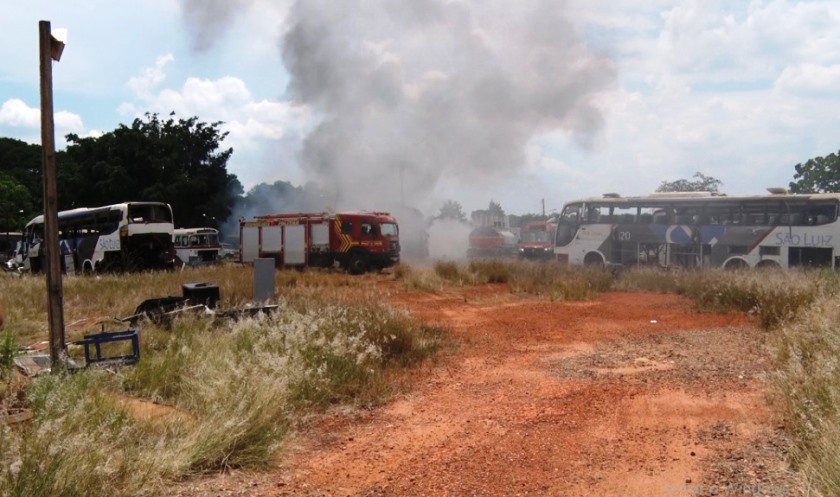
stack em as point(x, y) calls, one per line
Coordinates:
point(208, 19)
point(415, 93)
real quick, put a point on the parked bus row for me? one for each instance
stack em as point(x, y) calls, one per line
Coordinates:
point(689, 230)
point(120, 237)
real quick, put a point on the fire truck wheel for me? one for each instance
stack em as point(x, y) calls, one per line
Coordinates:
point(358, 264)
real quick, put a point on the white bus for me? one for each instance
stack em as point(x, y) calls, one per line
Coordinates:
point(119, 237)
point(699, 229)
point(195, 246)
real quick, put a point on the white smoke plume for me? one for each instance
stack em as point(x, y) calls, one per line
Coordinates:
point(412, 94)
point(415, 97)
point(448, 240)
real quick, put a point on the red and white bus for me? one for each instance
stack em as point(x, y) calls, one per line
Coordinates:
point(701, 229)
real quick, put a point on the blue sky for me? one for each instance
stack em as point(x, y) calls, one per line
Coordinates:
point(468, 100)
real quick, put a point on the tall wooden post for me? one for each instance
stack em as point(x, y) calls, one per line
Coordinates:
point(51, 49)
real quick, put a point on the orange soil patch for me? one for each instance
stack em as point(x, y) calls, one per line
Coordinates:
point(632, 394)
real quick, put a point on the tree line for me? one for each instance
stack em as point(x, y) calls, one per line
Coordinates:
point(178, 161)
point(182, 162)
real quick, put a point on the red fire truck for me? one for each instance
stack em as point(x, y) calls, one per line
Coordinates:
point(536, 240)
point(357, 241)
point(490, 242)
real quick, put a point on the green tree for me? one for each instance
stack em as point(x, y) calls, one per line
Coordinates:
point(451, 209)
point(15, 203)
point(20, 162)
point(700, 183)
point(173, 161)
point(818, 175)
point(496, 208)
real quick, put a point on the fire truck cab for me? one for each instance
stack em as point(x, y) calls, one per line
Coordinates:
point(536, 240)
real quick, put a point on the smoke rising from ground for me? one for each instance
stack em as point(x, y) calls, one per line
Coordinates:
point(412, 94)
point(414, 97)
point(448, 239)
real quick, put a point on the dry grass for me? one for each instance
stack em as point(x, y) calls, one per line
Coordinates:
point(335, 343)
point(237, 385)
point(808, 383)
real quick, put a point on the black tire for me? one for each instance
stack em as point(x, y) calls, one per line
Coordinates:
point(358, 264)
point(768, 265)
point(736, 265)
point(593, 259)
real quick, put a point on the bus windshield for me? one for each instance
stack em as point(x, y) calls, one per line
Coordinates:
point(204, 240)
point(149, 213)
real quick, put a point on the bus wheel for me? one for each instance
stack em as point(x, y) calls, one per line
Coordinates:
point(736, 265)
point(111, 266)
point(768, 265)
point(593, 259)
point(358, 264)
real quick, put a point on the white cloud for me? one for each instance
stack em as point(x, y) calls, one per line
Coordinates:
point(68, 122)
point(256, 127)
point(738, 90)
point(810, 79)
point(151, 77)
point(15, 112)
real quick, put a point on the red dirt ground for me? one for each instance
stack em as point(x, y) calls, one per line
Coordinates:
point(632, 394)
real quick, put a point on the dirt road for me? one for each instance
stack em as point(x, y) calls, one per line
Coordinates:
point(628, 395)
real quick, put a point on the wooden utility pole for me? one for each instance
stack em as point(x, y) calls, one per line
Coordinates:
point(51, 50)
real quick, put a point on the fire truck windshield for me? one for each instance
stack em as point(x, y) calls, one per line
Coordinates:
point(389, 229)
point(535, 236)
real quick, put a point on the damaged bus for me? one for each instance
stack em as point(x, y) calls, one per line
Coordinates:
point(196, 246)
point(702, 229)
point(130, 236)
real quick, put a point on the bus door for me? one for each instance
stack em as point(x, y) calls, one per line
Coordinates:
point(568, 224)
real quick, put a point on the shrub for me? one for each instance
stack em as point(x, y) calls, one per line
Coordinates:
point(491, 271)
point(773, 297)
point(449, 271)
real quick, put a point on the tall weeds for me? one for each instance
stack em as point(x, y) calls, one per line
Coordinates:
point(544, 279)
point(808, 382)
point(233, 390)
point(222, 393)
